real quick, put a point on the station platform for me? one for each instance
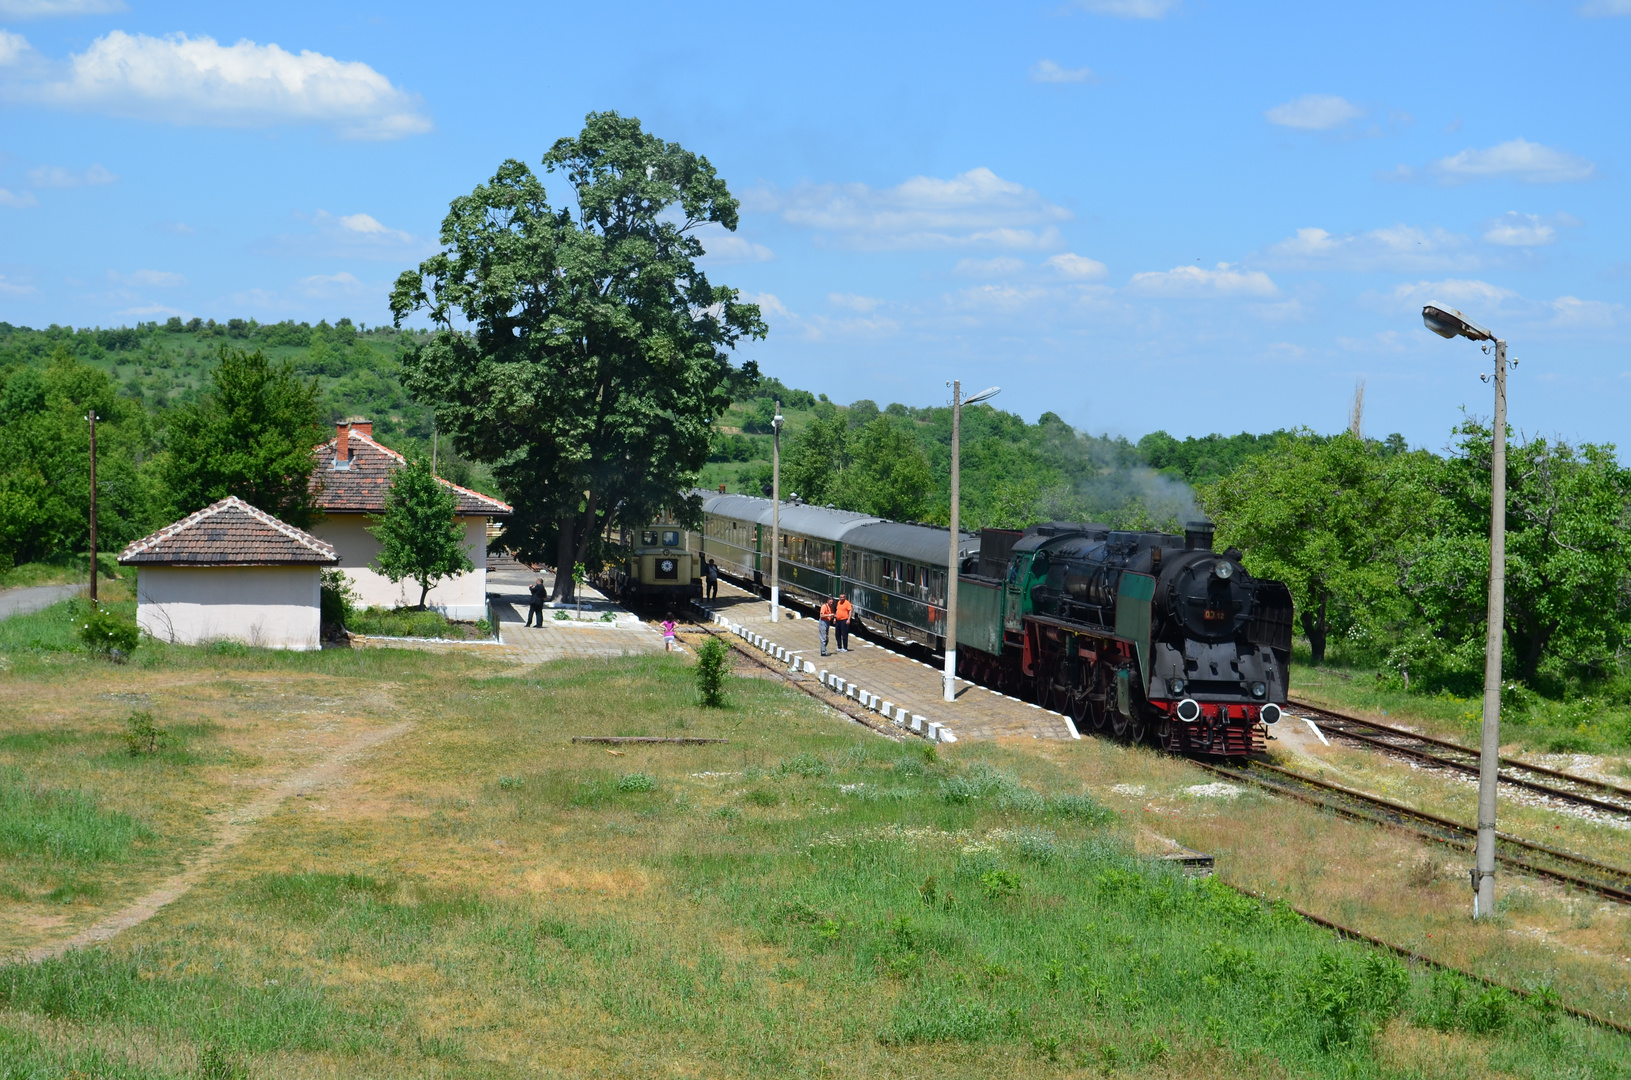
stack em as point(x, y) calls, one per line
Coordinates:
point(886, 676)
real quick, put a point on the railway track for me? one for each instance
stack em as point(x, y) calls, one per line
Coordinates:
point(1522, 855)
point(1552, 784)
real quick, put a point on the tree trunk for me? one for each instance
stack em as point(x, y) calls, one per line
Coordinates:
point(1314, 628)
point(424, 591)
point(564, 561)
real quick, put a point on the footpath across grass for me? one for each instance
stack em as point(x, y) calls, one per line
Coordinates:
point(487, 899)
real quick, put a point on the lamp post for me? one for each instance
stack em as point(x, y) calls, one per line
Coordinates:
point(91, 417)
point(776, 514)
point(951, 563)
point(1449, 323)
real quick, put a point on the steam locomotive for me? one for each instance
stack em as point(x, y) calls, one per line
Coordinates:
point(1143, 635)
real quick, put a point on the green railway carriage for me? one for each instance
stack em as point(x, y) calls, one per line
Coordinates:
point(731, 536)
point(736, 535)
point(895, 575)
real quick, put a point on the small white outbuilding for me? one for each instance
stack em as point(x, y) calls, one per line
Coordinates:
point(231, 572)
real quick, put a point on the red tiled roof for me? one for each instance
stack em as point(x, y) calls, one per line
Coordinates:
point(229, 533)
point(361, 488)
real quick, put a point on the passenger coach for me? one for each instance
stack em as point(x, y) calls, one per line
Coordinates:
point(894, 573)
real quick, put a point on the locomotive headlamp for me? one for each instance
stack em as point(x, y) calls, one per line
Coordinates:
point(1175, 687)
point(1224, 570)
point(1258, 689)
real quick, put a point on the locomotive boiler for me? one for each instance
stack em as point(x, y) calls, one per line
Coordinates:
point(1144, 635)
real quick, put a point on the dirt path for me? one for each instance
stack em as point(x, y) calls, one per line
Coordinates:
point(323, 774)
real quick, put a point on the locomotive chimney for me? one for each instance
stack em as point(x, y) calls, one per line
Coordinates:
point(1198, 536)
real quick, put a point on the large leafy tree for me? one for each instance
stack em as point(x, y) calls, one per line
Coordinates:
point(1567, 568)
point(888, 472)
point(251, 435)
point(1322, 515)
point(419, 536)
point(579, 349)
point(45, 462)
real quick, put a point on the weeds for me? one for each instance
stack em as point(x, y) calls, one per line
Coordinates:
point(63, 826)
point(636, 782)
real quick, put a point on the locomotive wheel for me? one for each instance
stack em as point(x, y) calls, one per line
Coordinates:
point(1080, 707)
point(1118, 722)
point(1137, 727)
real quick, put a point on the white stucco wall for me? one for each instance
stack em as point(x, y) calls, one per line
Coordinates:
point(462, 597)
point(275, 607)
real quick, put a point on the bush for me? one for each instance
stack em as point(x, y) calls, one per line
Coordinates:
point(337, 598)
point(104, 631)
point(143, 736)
point(713, 664)
point(636, 781)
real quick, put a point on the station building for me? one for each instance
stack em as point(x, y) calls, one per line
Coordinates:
point(351, 482)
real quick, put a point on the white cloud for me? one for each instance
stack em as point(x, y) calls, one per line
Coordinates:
point(17, 200)
point(185, 80)
point(14, 48)
point(178, 228)
point(160, 279)
point(1077, 267)
point(55, 176)
point(322, 286)
point(770, 305)
point(1046, 71)
point(44, 9)
point(349, 236)
point(1513, 229)
point(14, 289)
point(1572, 313)
point(1465, 294)
point(1598, 8)
point(1397, 248)
point(151, 310)
point(723, 246)
point(1001, 266)
point(1129, 9)
point(1196, 282)
point(853, 302)
point(976, 208)
point(1519, 159)
point(1315, 112)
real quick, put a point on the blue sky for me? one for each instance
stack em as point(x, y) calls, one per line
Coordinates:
point(1180, 214)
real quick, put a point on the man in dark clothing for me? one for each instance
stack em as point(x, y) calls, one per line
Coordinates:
point(712, 576)
point(535, 606)
point(841, 616)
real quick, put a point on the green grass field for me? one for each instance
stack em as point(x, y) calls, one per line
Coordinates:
point(483, 898)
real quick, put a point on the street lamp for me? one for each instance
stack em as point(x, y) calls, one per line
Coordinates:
point(951, 567)
point(1450, 323)
point(776, 513)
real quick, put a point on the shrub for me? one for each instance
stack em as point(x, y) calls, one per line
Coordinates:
point(999, 883)
point(806, 765)
point(713, 664)
point(336, 598)
point(104, 631)
point(1084, 808)
point(636, 781)
point(143, 736)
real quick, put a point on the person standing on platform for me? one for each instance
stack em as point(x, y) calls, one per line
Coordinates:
point(711, 575)
point(539, 592)
point(824, 624)
point(841, 617)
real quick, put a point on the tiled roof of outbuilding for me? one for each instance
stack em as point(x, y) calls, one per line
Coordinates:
point(229, 533)
point(361, 488)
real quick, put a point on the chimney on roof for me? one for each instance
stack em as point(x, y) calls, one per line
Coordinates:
point(362, 426)
point(342, 441)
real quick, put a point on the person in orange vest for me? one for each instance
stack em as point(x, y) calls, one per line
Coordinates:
point(841, 614)
point(825, 625)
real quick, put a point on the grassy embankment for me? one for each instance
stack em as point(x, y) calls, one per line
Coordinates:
point(487, 899)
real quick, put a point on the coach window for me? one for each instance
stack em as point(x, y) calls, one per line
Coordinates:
point(937, 587)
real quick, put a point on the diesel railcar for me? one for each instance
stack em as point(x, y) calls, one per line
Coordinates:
point(659, 564)
point(1142, 635)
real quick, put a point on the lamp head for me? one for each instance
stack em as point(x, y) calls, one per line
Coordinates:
point(984, 395)
point(1447, 322)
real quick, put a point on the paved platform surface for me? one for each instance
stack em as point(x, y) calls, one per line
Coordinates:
point(34, 598)
point(977, 713)
point(554, 641)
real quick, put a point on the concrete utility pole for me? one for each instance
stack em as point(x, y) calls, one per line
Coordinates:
point(1450, 323)
point(776, 515)
point(91, 417)
point(952, 560)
